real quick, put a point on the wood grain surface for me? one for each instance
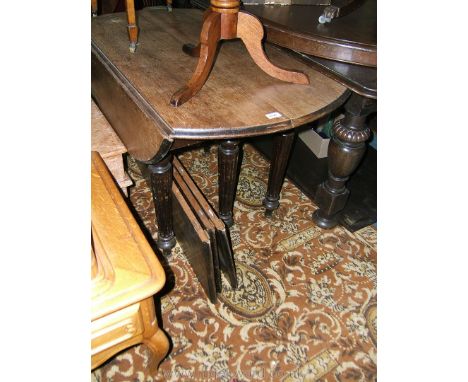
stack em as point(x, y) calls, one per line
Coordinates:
point(351, 38)
point(103, 138)
point(195, 242)
point(127, 268)
point(223, 241)
point(205, 222)
point(125, 275)
point(134, 90)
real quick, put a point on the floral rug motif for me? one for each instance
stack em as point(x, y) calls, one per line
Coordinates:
point(305, 308)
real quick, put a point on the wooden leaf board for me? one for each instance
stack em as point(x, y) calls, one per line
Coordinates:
point(195, 242)
point(205, 223)
point(224, 247)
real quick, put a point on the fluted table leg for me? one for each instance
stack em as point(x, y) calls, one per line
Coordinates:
point(228, 164)
point(282, 146)
point(161, 184)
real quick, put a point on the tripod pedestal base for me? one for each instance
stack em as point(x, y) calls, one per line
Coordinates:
point(226, 26)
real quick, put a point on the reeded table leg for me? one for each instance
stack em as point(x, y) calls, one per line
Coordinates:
point(345, 152)
point(282, 145)
point(228, 158)
point(161, 184)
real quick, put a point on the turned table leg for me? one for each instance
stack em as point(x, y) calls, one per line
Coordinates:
point(346, 149)
point(131, 25)
point(94, 8)
point(161, 184)
point(228, 158)
point(282, 146)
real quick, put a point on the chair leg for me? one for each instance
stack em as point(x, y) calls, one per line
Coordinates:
point(282, 146)
point(131, 25)
point(94, 7)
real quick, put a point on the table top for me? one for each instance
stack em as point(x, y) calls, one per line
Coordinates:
point(345, 49)
point(124, 268)
point(360, 79)
point(351, 38)
point(238, 100)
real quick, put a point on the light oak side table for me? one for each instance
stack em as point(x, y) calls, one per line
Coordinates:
point(125, 274)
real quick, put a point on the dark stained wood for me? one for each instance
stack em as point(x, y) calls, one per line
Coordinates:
point(133, 90)
point(282, 145)
point(195, 243)
point(345, 152)
point(141, 130)
point(352, 38)
point(238, 99)
point(205, 223)
point(361, 207)
point(360, 79)
point(339, 8)
point(161, 183)
point(225, 253)
point(228, 168)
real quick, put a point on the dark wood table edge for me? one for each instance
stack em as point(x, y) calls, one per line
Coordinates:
point(320, 46)
point(358, 88)
point(192, 136)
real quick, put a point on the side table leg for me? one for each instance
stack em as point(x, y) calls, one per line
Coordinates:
point(346, 149)
point(228, 158)
point(161, 184)
point(282, 146)
point(159, 346)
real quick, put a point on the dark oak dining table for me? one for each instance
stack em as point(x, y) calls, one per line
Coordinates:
point(345, 50)
point(239, 100)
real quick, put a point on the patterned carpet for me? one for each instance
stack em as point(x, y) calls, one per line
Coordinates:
point(306, 306)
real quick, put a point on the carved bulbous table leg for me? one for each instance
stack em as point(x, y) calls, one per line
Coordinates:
point(228, 164)
point(161, 185)
point(282, 146)
point(346, 149)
